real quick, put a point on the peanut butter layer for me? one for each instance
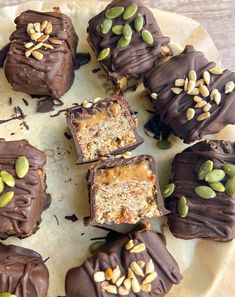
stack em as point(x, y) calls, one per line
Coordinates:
point(140, 171)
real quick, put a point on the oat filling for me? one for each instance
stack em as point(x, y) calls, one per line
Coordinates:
point(104, 132)
point(125, 194)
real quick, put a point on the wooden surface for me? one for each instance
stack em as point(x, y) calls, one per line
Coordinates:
point(218, 18)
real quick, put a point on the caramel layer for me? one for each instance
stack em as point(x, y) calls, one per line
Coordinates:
point(140, 171)
point(97, 117)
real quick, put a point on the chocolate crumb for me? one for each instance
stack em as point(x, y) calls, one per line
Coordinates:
point(96, 70)
point(58, 113)
point(25, 102)
point(12, 133)
point(48, 258)
point(81, 59)
point(67, 135)
point(10, 101)
point(57, 221)
point(82, 234)
point(72, 218)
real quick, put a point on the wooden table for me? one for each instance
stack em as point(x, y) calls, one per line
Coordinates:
point(218, 18)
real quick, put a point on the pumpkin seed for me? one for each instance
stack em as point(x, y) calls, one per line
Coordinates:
point(95, 246)
point(6, 294)
point(7, 178)
point(205, 192)
point(104, 54)
point(229, 87)
point(6, 198)
point(168, 190)
point(164, 144)
point(139, 22)
point(114, 12)
point(218, 186)
point(147, 37)
point(215, 176)
point(21, 166)
point(130, 11)
point(1, 185)
point(106, 26)
point(123, 42)
point(117, 29)
point(204, 169)
point(183, 207)
point(230, 186)
point(229, 169)
point(127, 31)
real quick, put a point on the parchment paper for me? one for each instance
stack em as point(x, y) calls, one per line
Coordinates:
point(201, 262)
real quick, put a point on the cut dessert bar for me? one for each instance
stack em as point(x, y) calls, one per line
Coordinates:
point(124, 191)
point(103, 127)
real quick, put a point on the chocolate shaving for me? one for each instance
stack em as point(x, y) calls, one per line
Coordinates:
point(25, 102)
point(58, 113)
point(48, 258)
point(10, 101)
point(72, 218)
point(81, 59)
point(19, 115)
point(159, 130)
point(57, 221)
point(96, 70)
point(67, 135)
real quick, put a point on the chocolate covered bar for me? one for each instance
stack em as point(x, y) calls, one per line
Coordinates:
point(201, 194)
point(103, 127)
point(124, 191)
point(23, 194)
point(42, 53)
point(191, 95)
point(127, 41)
point(137, 264)
point(22, 272)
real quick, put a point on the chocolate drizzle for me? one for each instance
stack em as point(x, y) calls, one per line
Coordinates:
point(172, 107)
point(116, 254)
point(21, 217)
point(22, 272)
point(210, 219)
point(138, 57)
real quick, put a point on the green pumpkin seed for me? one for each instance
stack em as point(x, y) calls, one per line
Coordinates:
point(22, 166)
point(205, 192)
point(6, 198)
point(216, 175)
point(168, 190)
point(229, 169)
point(7, 178)
point(183, 207)
point(218, 186)
point(147, 37)
point(123, 42)
point(139, 22)
point(204, 169)
point(6, 294)
point(230, 186)
point(127, 31)
point(117, 29)
point(1, 185)
point(130, 11)
point(164, 144)
point(104, 54)
point(114, 12)
point(94, 247)
point(106, 26)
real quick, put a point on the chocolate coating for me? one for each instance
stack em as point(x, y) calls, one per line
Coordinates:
point(83, 113)
point(207, 218)
point(110, 163)
point(116, 254)
point(22, 216)
point(137, 58)
point(54, 74)
point(172, 108)
point(22, 272)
